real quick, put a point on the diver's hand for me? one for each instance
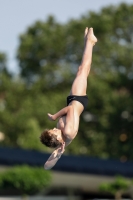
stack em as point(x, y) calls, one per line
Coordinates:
point(51, 117)
point(61, 150)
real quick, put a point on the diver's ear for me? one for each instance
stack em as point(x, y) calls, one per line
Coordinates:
point(58, 137)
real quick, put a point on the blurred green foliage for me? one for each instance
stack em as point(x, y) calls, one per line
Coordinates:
point(118, 187)
point(25, 179)
point(49, 54)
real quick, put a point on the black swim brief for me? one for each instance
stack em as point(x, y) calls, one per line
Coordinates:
point(82, 99)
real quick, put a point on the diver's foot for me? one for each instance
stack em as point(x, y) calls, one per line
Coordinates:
point(89, 36)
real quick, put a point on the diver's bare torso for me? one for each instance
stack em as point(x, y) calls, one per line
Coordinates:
point(78, 109)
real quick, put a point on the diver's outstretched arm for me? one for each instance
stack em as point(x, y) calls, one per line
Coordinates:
point(52, 160)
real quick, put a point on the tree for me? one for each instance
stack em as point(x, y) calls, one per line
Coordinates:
point(117, 188)
point(41, 48)
point(24, 180)
point(49, 54)
point(3, 64)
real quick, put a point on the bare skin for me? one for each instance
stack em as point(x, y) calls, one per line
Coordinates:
point(69, 117)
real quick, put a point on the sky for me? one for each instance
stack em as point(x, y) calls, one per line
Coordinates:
point(17, 15)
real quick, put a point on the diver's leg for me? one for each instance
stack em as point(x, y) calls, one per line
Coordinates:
point(79, 85)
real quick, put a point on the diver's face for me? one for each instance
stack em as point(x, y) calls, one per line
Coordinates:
point(58, 133)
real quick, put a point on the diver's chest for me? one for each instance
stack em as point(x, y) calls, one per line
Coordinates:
point(61, 123)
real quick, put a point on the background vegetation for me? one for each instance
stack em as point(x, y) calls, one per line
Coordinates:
point(24, 180)
point(49, 54)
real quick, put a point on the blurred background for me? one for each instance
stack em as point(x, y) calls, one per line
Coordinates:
point(41, 45)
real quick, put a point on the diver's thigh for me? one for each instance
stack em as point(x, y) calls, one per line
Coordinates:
point(79, 86)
